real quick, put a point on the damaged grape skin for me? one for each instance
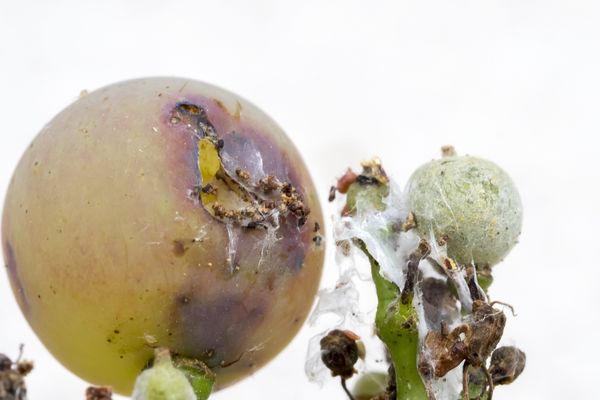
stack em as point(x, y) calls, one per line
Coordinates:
point(110, 254)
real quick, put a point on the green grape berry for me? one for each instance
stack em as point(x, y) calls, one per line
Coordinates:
point(162, 212)
point(163, 381)
point(471, 204)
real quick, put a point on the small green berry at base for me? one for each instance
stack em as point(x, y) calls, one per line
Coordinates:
point(198, 374)
point(163, 381)
point(369, 385)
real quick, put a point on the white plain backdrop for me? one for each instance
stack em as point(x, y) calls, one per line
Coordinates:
point(516, 82)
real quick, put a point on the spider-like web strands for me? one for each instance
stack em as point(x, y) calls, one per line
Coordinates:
point(391, 247)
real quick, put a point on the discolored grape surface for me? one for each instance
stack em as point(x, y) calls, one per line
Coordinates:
point(111, 249)
point(470, 202)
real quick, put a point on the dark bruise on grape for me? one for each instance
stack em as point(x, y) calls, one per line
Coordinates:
point(15, 279)
point(217, 318)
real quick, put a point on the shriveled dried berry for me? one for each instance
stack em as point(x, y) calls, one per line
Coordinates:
point(98, 393)
point(339, 352)
point(506, 364)
point(12, 374)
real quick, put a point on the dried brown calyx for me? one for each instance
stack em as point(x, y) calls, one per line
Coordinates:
point(98, 393)
point(506, 364)
point(345, 181)
point(340, 350)
point(372, 173)
point(471, 342)
point(232, 196)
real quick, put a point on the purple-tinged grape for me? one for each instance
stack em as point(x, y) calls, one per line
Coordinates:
point(162, 212)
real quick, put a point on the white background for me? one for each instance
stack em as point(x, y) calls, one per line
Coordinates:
point(513, 81)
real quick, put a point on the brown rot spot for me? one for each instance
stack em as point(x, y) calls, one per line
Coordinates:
point(235, 115)
point(191, 109)
point(15, 278)
point(235, 187)
point(439, 305)
point(179, 248)
point(215, 330)
point(271, 282)
point(298, 261)
point(235, 172)
point(194, 117)
point(220, 104)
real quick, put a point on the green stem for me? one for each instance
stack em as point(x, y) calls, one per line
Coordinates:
point(396, 323)
point(198, 374)
point(178, 379)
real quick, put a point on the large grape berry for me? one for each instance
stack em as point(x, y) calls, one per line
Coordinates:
point(162, 212)
point(469, 202)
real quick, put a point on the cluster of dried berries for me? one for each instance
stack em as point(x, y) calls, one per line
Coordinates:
point(12, 374)
point(473, 343)
point(477, 328)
